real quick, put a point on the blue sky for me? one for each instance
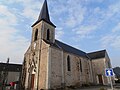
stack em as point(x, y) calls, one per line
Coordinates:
point(89, 25)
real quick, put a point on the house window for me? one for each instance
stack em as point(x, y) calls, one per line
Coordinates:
point(48, 34)
point(36, 35)
point(68, 63)
point(80, 65)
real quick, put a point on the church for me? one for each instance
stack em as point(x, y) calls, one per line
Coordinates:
point(51, 64)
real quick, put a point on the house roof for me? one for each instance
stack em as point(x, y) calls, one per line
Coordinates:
point(117, 71)
point(10, 67)
point(44, 15)
point(97, 54)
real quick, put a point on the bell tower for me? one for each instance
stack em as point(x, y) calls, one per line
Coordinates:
point(43, 34)
point(43, 28)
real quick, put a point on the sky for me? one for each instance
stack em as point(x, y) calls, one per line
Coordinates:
point(89, 25)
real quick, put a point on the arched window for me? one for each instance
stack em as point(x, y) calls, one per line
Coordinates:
point(80, 65)
point(68, 63)
point(48, 34)
point(36, 35)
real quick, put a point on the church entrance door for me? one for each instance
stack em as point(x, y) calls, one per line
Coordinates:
point(32, 82)
point(100, 79)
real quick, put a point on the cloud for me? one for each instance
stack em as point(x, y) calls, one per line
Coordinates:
point(70, 13)
point(94, 19)
point(99, 1)
point(59, 33)
point(116, 28)
point(6, 16)
point(31, 9)
point(116, 42)
point(112, 39)
point(27, 8)
point(76, 13)
point(84, 31)
point(12, 44)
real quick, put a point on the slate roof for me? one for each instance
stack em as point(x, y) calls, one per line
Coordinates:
point(68, 48)
point(97, 54)
point(10, 67)
point(117, 71)
point(44, 15)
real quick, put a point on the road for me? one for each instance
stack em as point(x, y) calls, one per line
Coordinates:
point(97, 88)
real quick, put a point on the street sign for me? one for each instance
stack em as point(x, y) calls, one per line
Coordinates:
point(109, 72)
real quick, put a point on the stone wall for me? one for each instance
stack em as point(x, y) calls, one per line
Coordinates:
point(76, 76)
point(60, 74)
point(56, 68)
point(47, 26)
point(72, 77)
point(43, 66)
point(99, 66)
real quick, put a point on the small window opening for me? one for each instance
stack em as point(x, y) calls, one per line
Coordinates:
point(80, 65)
point(48, 34)
point(36, 35)
point(68, 63)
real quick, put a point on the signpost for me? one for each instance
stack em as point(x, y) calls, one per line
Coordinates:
point(109, 73)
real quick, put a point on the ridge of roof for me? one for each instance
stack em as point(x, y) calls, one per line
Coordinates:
point(104, 50)
point(71, 49)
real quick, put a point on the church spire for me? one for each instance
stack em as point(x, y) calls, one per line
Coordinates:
point(44, 15)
